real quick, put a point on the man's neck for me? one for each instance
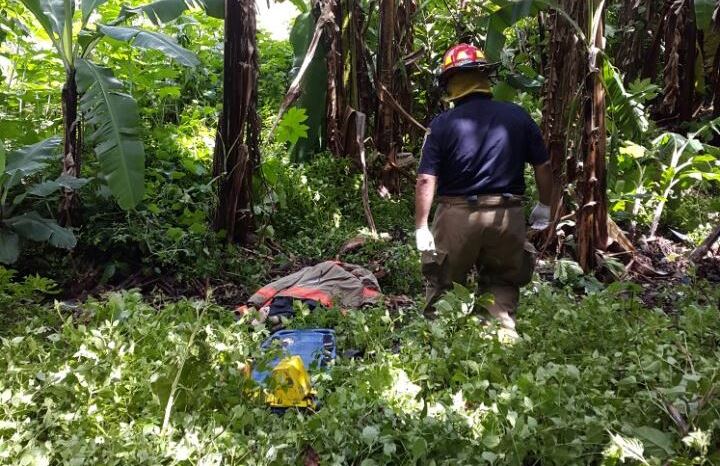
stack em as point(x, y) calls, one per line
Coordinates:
point(472, 97)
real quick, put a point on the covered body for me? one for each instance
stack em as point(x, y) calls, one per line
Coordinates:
point(330, 282)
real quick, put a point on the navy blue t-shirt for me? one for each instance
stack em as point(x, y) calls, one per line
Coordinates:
point(481, 147)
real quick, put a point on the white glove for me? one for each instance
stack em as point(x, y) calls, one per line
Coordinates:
point(424, 239)
point(540, 217)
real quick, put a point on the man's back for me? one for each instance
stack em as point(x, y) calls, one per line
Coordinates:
point(481, 147)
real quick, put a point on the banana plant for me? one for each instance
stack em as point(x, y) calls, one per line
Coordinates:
point(111, 115)
point(683, 159)
point(16, 226)
point(505, 13)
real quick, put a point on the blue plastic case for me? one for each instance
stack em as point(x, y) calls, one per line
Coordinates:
point(316, 347)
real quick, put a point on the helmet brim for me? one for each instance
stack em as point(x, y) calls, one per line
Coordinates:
point(481, 66)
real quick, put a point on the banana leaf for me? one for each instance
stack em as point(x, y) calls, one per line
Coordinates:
point(36, 228)
point(313, 88)
point(151, 40)
point(114, 117)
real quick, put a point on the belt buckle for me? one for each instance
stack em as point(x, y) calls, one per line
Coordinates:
point(472, 199)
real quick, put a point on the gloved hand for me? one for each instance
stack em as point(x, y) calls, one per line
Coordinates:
point(424, 239)
point(540, 217)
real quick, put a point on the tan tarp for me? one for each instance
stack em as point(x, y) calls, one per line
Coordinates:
point(328, 283)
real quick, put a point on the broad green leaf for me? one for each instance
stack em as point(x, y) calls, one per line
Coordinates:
point(164, 11)
point(151, 40)
point(49, 13)
point(704, 158)
point(655, 437)
point(704, 13)
point(66, 37)
point(36, 228)
point(524, 82)
point(169, 91)
point(30, 159)
point(114, 117)
point(64, 181)
point(313, 88)
point(214, 8)
point(88, 6)
point(700, 175)
point(71, 182)
point(44, 189)
point(55, 16)
point(502, 19)
point(512, 11)
point(161, 11)
point(9, 246)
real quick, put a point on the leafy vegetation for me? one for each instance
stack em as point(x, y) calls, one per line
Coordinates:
point(119, 344)
point(30, 225)
point(591, 377)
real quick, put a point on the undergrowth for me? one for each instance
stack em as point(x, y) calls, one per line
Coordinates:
point(596, 379)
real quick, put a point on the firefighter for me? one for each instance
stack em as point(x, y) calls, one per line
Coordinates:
point(474, 156)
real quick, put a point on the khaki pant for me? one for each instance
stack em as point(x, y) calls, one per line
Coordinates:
point(488, 234)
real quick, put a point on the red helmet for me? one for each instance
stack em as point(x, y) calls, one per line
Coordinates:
point(463, 57)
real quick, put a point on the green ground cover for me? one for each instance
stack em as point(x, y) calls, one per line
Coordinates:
point(595, 379)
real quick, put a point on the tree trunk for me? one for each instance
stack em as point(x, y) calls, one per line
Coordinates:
point(630, 27)
point(652, 56)
point(680, 53)
point(385, 131)
point(564, 77)
point(358, 86)
point(574, 128)
point(335, 100)
point(712, 59)
point(402, 88)
point(592, 232)
point(236, 152)
point(68, 208)
point(640, 21)
point(716, 85)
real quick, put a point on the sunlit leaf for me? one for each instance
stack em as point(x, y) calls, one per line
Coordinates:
point(627, 113)
point(164, 11)
point(55, 16)
point(632, 150)
point(151, 40)
point(292, 126)
point(49, 13)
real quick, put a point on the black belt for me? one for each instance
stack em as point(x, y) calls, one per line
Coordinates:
point(485, 200)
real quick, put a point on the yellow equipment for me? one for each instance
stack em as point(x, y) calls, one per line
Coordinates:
point(289, 385)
